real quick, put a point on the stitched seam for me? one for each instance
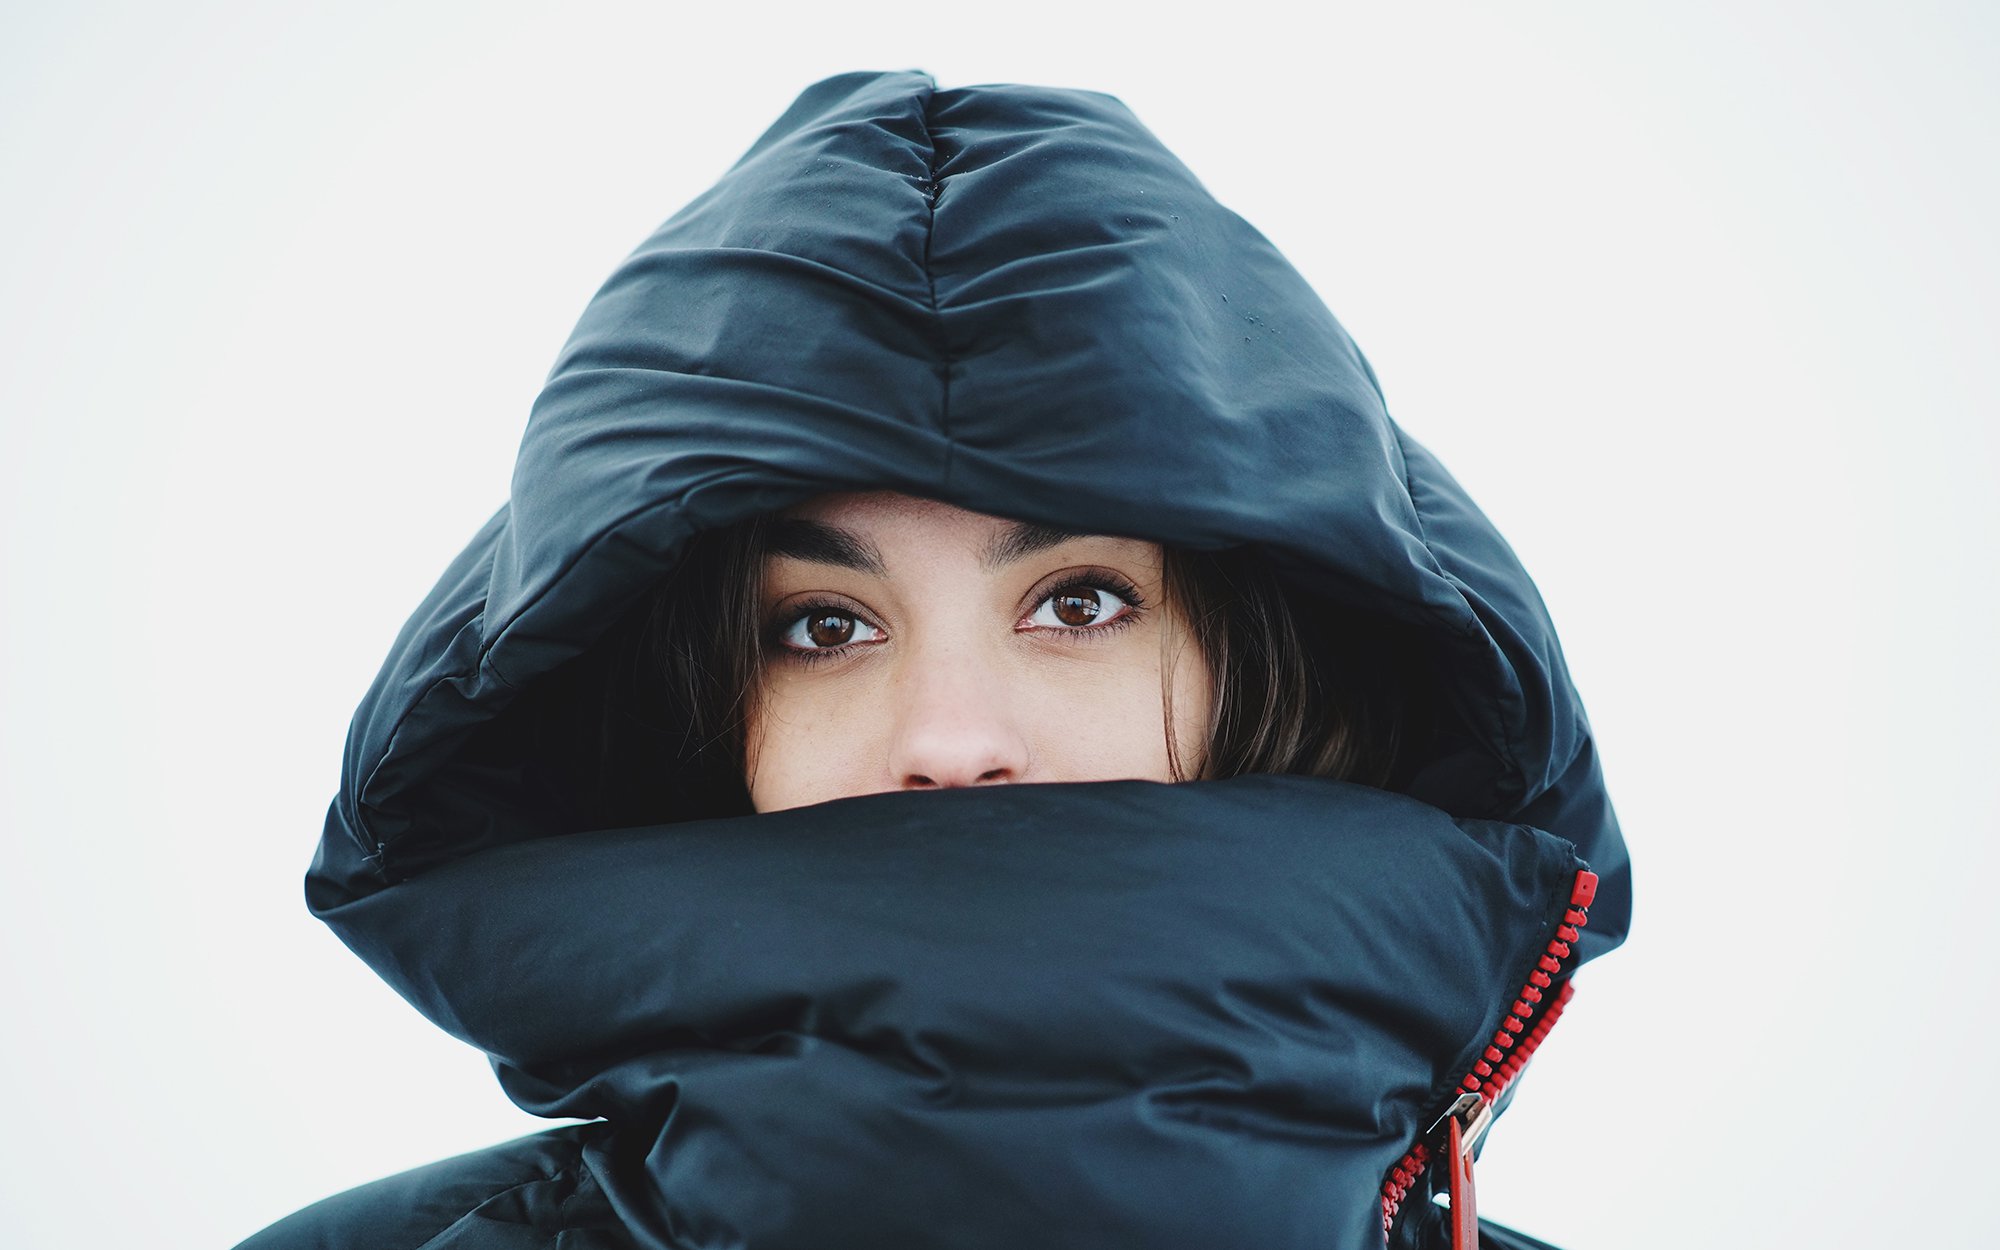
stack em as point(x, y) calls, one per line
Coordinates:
point(932, 191)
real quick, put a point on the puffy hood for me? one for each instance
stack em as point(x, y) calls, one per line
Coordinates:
point(1208, 1014)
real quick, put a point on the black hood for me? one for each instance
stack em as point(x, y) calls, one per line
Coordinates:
point(1218, 1017)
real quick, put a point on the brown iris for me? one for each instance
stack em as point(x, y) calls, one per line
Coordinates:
point(1077, 607)
point(830, 629)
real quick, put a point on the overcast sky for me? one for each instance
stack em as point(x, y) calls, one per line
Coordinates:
point(1697, 299)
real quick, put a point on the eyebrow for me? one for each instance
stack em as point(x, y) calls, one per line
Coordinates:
point(1023, 539)
point(819, 543)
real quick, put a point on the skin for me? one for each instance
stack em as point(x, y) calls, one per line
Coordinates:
point(913, 645)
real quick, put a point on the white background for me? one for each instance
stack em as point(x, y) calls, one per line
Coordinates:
point(1697, 299)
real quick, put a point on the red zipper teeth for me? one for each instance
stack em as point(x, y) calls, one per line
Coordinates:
point(1513, 1043)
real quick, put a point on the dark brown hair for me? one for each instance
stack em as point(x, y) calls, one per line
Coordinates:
point(651, 727)
point(1284, 705)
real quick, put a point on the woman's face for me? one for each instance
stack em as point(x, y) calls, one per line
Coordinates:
point(912, 645)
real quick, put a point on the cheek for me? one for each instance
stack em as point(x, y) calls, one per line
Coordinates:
point(810, 738)
point(1103, 717)
point(1090, 712)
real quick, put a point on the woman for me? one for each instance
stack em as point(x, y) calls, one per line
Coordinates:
point(1019, 653)
point(956, 440)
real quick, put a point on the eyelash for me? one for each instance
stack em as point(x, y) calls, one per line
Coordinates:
point(775, 642)
point(1101, 579)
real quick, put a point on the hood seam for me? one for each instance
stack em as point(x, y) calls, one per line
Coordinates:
point(933, 190)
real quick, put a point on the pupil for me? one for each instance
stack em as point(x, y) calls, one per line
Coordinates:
point(1077, 608)
point(830, 631)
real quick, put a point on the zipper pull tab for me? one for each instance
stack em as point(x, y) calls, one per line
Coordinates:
point(1458, 1132)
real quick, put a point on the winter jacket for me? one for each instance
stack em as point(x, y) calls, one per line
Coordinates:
point(1225, 1013)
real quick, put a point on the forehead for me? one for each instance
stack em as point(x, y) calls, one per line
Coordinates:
point(889, 512)
point(872, 530)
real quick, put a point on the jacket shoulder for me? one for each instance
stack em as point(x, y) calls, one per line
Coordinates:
point(517, 1195)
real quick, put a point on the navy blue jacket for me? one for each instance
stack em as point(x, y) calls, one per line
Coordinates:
point(1214, 1014)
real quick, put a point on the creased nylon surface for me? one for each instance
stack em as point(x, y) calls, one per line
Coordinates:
point(1234, 1005)
point(1064, 1015)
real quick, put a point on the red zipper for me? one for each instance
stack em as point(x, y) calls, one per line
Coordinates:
point(1512, 1045)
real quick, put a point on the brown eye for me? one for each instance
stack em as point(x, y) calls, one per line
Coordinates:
point(826, 629)
point(1076, 607)
point(829, 630)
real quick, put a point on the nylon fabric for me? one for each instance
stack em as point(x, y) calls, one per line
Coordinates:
point(1119, 1014)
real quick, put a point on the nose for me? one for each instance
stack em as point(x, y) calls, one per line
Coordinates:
point(954, 727)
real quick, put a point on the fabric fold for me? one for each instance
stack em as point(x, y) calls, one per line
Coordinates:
point(959, 1000)
point(1116, 1014)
